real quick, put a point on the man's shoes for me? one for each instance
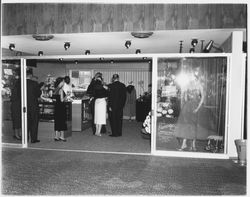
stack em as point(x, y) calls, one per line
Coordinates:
point(113, 135)
point(35, 141)
point(62, 139)
point(56, 139)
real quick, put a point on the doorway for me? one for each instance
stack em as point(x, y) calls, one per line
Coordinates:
point(137, 72)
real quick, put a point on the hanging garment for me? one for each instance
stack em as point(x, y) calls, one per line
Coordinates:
point(130, 105)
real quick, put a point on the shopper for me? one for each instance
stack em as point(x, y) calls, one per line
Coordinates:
point(116, 100)
point(16, 109)
point(100, 94)
point(60, 115)
point(33, 93)
point(90, 92)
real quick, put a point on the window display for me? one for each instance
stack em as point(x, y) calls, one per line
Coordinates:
point(191, 104)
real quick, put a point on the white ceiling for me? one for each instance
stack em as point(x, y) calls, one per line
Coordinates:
point(113, 42)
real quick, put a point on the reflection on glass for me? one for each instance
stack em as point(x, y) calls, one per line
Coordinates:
point(11, 102)
point(191, 104)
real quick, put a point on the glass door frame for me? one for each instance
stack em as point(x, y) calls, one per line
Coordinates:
point(154, 107)
point(154, 58)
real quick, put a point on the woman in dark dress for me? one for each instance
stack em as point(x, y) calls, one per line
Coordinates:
point(60, 115)
point(16, 109)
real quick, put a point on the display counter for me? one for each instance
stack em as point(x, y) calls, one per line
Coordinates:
point(77, 113)
point(80, 115)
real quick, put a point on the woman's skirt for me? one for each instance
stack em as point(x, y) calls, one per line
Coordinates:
point(100, 111)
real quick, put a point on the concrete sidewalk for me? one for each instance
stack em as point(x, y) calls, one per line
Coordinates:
point(51, 172)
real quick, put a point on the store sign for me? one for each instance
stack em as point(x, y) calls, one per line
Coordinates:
point(168, 91)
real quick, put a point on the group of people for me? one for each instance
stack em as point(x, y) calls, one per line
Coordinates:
point(107, 99)
point(62, 92)
point(33, 93)
point(104, 99)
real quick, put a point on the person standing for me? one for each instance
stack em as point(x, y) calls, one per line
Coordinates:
point(100, 95)
point(16, 109)
point(33, 93)
point(60, 115)
point(116, 101)
point(90, 92)
point(67, 88)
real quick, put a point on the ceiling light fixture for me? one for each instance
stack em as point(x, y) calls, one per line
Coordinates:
point(127, 44)
point(141, 34)
point(66, 45)
point(87, 52)
point(211, 45)
point(191, 50)
point(181, 46)
point(194, 42)
point(42, 37)
point(11, 46)
point(40, 53)
point(138, 51)
point(202, 44)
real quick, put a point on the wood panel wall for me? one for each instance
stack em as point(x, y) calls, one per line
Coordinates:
point(51, 18)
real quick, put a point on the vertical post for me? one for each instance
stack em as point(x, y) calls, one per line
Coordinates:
point(24, 104)
point(153, 104)
point(236, 93)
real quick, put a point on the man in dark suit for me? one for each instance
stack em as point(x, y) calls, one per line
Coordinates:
point(33, 93)
point(116, 102)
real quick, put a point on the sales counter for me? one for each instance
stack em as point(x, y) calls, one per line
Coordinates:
point(78, 116)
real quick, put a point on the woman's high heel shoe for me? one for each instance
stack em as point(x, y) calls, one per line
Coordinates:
point(192, 149)
point(182, 148)
point(62, 139)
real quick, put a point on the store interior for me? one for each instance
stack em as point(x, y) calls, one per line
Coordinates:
point(136, 72)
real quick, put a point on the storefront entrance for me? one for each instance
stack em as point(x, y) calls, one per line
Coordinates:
point(189, 107)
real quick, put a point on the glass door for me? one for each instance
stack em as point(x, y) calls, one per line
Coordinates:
point(191, 104)
point(11, 102)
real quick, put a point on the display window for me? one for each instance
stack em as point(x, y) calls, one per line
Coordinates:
point(191, 104)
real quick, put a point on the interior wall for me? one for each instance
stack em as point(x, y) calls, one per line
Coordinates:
point(138, 72)
point(54, 69)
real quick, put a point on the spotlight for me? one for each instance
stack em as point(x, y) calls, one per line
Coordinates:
point(76, 61)
point(181, 46)
point(191, 50)
point(11, 46)
point(66, 45)
point(87, 52)
point(138, 51)
point(194, 42)
point(40, 53)
point(211, 45)
point(202, 45)
point(60, 59)
point(112, 61)
point(127, 44)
